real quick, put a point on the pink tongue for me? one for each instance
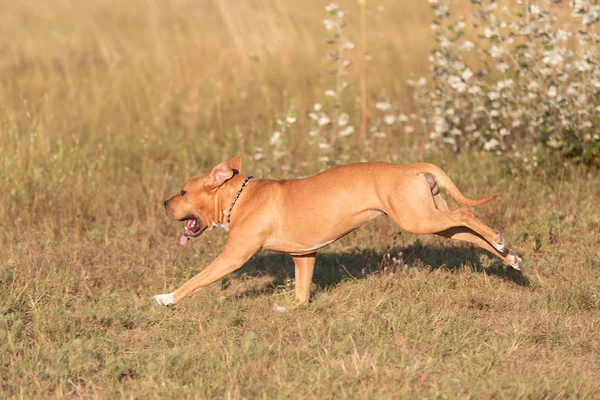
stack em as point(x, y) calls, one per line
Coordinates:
point(183, 240)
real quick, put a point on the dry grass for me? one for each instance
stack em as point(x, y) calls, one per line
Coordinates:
point(107, 106)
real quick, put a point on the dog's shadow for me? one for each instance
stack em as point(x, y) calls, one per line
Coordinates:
point(333, 268)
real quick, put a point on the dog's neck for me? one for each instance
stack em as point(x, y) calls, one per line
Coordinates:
point(224, 197)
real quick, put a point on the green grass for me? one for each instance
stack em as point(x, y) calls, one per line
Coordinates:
point(107, 108)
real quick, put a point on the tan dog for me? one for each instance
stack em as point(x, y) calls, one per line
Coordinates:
point(300, 216)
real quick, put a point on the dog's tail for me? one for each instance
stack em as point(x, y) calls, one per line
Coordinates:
point(444, 181)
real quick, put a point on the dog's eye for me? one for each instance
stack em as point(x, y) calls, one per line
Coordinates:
point(183, 192)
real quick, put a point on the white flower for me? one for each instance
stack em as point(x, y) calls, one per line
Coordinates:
point(330, 93)
point(474, 89)
point(291, 119)
point(444, 42)
point(258, 156)
point(455, 132)
point(317, 107)
point(467, 74)
point(349, 130)
point(467, 45)
point(502, 67)
point(275, 138)
point(379, 135)
point(313, 116)
point(348, 45)
point(324, 120)
point(324, 146)
point(324, 159)
point(440, 125)
point(488, 33)
point(490, 144)
point(493, 96)
point(382, 105)
point(409, 129)
point(389, 119)
point(583, 65)
point(494, 113)
point(330, 24)
point(449, 140)
point(422, 81)
point(441, 11)
point(343, 119)
point(457, 83)
point(402, 118)
point(507, 83)
point(331, 7)
point(562, 35)
point(552, 91)
point(552, 58)
point(504, 132)
point(496, 51)
point(535, 10)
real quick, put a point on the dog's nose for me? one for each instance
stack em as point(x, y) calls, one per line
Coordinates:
point(165, 203)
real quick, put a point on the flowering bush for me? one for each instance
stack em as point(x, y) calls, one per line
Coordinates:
point(534, 80)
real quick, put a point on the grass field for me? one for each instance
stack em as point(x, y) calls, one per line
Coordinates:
point(107, 106)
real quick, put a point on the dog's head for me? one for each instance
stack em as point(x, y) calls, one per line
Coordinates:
point(195, 203)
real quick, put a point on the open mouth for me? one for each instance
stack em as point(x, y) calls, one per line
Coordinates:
point(192, 229)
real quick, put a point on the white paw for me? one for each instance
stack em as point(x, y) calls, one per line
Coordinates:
point(165, 299)
point(516, 261)
point(501, 245)
point(278, 309)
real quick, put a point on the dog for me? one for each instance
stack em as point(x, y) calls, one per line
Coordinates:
point(301, 216)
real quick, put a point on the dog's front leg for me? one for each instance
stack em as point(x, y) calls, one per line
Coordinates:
point(232, 258)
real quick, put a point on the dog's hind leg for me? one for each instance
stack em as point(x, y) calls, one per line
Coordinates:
point(304, 268)
point(440, 203)
point(417, 211)
point(461, 233)
point(468, 235)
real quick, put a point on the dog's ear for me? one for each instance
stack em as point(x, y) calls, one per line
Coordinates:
point(220, 174)
point(236, 164)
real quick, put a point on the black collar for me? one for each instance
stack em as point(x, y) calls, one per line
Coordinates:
point(236, 197)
